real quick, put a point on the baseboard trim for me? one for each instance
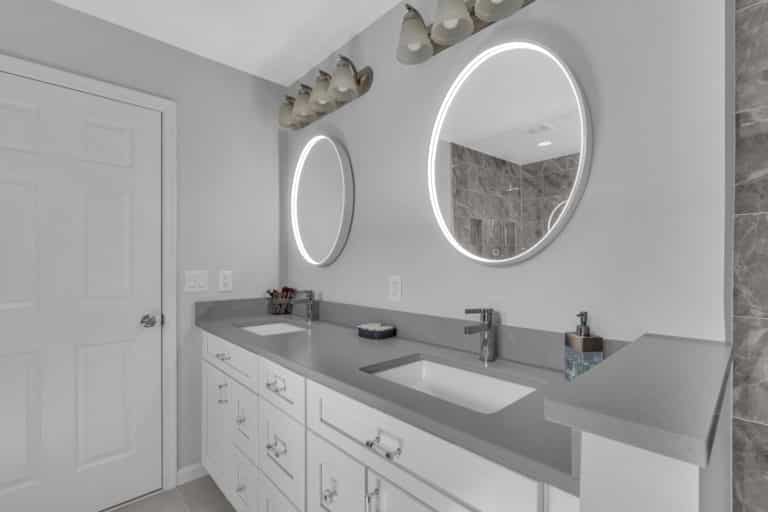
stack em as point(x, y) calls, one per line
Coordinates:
point(189, 473)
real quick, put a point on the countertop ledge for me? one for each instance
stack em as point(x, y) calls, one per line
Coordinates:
point(518, 437)
point(663, 394)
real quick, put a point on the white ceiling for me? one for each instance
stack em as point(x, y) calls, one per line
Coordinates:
point(510, 104)
point(279, 40)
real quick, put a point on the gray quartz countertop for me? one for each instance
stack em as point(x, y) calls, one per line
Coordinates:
point(661, 393)
point(518, 437)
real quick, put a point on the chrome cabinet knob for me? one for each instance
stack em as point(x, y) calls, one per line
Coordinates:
point(148, 321)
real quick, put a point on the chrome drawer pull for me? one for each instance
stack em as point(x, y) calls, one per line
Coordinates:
point(375, 446)
point(223, 401)
point(369, 499)
point(222, 386)
point(240, 489)
point(240, 420)
point(274, 387)
point(223, 356)
point(329, 495)
point(277, 449)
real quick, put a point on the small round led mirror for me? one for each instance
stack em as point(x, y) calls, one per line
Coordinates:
point(509, 154)
point(322, 201)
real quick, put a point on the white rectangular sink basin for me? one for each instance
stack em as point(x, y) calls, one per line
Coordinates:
point(272, 329)
point(480, 393)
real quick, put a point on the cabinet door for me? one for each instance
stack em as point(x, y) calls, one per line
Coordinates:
point(272, 500)
point(383, 496)
point(246, 492)
point(217, 429)
point(245, 428)
point(335, 481)
point(282, 452)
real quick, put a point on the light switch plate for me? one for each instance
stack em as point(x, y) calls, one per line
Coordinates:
point(196, 281)
point(395, 288)
point(225, 280)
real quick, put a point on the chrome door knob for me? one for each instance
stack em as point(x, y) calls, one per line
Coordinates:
point(148, 321)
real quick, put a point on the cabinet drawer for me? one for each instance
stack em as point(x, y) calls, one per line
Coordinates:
point(383, 443)
point(335, 481)
point(239, 362)
point(245, 421)
point(283, 451)
point(284, 389)
point(272, 500)
point(245, 492)
point(383, 496)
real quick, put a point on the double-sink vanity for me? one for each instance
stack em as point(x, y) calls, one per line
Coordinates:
point(299, 418)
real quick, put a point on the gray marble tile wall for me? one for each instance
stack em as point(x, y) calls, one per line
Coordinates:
point(750, 409)
point(501, 208)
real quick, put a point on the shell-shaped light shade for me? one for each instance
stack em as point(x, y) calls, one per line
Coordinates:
point(285, 115)
point(320, 100)
point(494, 10)
point(301, 109)
point(415, 46)
point(344, 86)
point(452, 22)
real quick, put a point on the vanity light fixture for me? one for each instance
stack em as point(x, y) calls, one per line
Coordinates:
point(330, 93)
point(455, 20)
point(494, 10)
point(302, 112)
point(344, 85)
point(415, 45)
point(320, 100)
point(285, 116)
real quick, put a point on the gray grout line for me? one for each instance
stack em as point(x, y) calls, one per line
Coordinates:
point(760, 2)
point(750, 317)
point(744, 420)
point(753, 214)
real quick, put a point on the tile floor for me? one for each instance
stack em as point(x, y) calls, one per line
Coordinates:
point(197, 496)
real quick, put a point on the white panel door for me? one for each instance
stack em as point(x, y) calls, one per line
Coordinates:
point(80, 249)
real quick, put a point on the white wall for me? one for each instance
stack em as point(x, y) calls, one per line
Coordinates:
point(645, 250)
point(227, 148)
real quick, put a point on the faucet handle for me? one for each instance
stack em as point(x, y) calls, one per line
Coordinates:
point(486, 314)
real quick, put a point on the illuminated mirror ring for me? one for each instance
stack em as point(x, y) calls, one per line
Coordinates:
point(584, 145)
point(340, 202)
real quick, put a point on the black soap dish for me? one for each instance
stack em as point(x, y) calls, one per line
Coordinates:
point(376, 331)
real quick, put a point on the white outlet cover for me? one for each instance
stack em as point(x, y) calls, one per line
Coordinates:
point(395, 288)
point(196, 280)
point(225, 281)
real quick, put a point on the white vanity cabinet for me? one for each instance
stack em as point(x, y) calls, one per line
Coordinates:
point(335, 481)
point(276, 442)
point(217, 412)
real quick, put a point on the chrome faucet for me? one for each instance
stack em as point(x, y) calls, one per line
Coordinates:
point(489, 347)
point(309, 300)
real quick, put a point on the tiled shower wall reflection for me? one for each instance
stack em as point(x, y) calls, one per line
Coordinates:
point(750, 427)
point(501, 208)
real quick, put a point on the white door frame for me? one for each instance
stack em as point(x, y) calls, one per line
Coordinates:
point(167, 110)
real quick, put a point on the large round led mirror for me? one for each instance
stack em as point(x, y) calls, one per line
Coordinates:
point(509, 154)
point(322, 201)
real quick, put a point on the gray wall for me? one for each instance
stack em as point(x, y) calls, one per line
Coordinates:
point(645, 250)
point(227, 148)
point(750, 426)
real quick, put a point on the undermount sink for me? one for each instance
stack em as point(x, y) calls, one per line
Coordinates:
point(475, 391)
point(272, 329)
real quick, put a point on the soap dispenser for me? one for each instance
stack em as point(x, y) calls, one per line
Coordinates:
point(582, 350)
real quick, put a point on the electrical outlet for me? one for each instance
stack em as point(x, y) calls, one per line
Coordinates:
point(225, 280)
point(395, 288)
point(196, 281)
